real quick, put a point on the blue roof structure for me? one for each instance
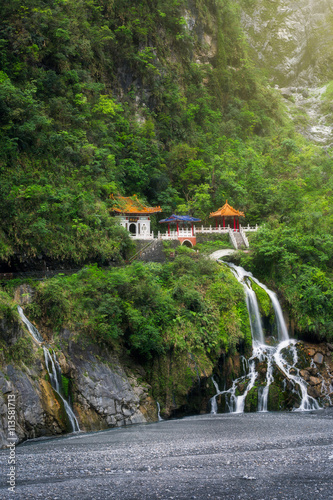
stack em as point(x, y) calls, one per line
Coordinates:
point(180, 218)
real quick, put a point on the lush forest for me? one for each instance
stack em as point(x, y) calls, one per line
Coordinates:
point(162, 100)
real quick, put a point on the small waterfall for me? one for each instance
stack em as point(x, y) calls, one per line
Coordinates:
point(32, 329)
point(282, 329)
point(263, 395)
point(273, 356)
point(53, 369)
point(251, 302)
point(54, 372)
point(307, 402)
point(213, 399)
point(160, 419)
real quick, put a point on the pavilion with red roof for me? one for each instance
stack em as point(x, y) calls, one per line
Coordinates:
point(227, 215)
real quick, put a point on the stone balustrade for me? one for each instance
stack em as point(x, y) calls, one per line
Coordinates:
point(187, 233)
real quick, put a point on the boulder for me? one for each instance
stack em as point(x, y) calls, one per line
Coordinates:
point(315, 381)
point(318, 358)
point(305, 374)
point(314, 392)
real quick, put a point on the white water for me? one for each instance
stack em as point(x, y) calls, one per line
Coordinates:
point(54, 372)
point(32, 329)
point(273, 356)
point(53, 369)
point(307, 402)
point(160, 419)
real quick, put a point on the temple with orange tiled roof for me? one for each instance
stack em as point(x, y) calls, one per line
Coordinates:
point(227, 214)
point(133, 215)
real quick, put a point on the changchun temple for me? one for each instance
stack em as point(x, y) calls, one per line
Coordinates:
point(135, 216)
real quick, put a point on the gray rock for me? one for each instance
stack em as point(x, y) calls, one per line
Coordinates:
point(318, 358)
point(24, 294)
point(104, 387)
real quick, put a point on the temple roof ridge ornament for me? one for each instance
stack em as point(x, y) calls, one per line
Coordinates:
point(227, 211)
point(132, 205)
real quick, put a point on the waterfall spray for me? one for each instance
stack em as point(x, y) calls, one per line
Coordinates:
point(273, 356)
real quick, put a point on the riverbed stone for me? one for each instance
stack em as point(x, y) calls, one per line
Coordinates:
point(314, 391)
point(318, 358)
point(305, 374)
point(315, 380)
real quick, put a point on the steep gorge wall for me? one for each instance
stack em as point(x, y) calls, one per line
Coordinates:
point(291, 39)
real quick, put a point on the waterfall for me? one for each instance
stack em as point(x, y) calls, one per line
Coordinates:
point(213, 399)
point(282, 356)
point(53, 369)
point(32, 329)
point(54, 372)
point(160, 419)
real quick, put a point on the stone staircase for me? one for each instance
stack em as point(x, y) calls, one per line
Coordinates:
point(239, 241)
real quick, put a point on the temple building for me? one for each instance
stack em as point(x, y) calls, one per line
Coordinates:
point(227, 215)
point(133, 215)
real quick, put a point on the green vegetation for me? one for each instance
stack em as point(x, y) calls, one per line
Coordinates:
point(190, 304)
point(175, 319)
point(264, 301)
point(211, 243)
point(159, 99)
point(15, 344)
point(65, 385)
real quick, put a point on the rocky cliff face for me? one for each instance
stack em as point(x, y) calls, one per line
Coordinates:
point(104, 393)
point(292, 40)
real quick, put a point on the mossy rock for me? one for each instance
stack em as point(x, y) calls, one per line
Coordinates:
point(251, 400)
point(65, 385)
point(276, 398)
point(177, 379)
point(264, 302)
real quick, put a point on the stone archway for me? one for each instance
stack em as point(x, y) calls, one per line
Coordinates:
point(132, 228)
point(187, 243)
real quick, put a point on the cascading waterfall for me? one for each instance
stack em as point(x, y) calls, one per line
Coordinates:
point(53, 369)
point(277, 356)
point(32, 329)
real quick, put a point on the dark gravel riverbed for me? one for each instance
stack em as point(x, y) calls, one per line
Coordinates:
point(256, 455)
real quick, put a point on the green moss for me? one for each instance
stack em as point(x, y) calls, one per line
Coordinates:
point(264, 301)
point(276, 398)
point(65, 385)
point(22, 351)
point(251, 400)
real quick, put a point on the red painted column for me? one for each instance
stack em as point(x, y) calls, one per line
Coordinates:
point(177, 229)
point(192, 228)
point(216, 222)
point(223, 222)
point(168, 229)
point(234, 223)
